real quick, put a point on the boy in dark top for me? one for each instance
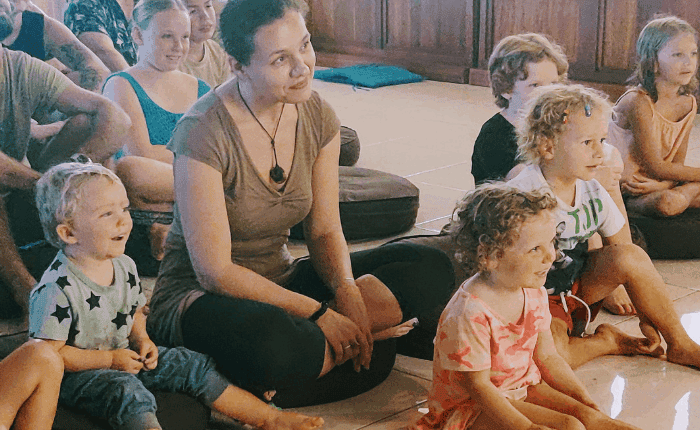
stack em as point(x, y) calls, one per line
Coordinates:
point(518, 64)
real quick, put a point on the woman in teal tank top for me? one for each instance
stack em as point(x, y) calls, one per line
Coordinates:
point(155, 95)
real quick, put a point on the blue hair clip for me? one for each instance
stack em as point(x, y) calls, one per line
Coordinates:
point(587, 109)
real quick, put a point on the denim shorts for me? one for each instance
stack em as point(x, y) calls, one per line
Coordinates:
point(126, 401)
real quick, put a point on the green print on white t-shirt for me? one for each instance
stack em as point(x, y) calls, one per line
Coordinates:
point(591, 215)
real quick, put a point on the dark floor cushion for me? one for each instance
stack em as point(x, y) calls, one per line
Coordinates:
point(342, 382)
point(675, 237)
point(175, 412)
point(349, 146)
point(373, 204)
point(444, 243)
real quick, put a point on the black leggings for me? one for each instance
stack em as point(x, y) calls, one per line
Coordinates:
point(261, 347)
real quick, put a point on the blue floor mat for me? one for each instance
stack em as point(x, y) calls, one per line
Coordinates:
point(368, 75)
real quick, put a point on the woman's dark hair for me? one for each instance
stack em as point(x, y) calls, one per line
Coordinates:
point(241, 19)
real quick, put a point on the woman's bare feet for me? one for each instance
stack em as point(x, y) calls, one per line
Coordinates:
point(619, 303)
point(396, 331)
point(626, 344)
point(157, 235)
point(293, 421)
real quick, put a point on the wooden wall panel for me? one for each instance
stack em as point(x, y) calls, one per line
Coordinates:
point(619, 37)
point(436, 26)
point(556, 18)
point(346, 23)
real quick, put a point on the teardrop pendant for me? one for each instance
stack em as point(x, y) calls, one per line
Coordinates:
point(277, 174)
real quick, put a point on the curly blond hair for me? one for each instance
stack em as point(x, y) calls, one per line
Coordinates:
point(509, 60)
point(544, 115)
point(59, 192)
point(653, 37)
point(488, 220)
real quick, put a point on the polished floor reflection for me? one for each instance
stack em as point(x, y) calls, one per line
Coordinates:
point(425, 132)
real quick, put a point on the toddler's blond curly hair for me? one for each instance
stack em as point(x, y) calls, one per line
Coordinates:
point(545, 115)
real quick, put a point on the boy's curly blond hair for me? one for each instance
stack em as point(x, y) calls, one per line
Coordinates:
point(509, 60)
point(544, 115)
point(488, 220)
point(60, 191)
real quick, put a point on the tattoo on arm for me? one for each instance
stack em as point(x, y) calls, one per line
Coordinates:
point(73, 56)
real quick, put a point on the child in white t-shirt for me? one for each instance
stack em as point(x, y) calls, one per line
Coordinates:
point(562, 136)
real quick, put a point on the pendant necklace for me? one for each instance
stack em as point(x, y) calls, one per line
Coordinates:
point(276, 172)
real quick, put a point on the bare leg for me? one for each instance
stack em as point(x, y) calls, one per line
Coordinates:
point(547, 397)
point(667, 202)
point(12, 269)
point(245, 407)
point(607, 340)
point(539, 415)
point(618, 302)
point(32, 379)
point(631, 266)
point(149, 185)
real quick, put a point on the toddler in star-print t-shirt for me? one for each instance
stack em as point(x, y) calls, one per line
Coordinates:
point(89, 307)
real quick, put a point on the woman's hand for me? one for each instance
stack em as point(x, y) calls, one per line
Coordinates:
point(349, 302)
point(341, 334)
point(641, 185)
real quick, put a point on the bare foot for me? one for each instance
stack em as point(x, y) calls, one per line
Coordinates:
point(157, 235)
point(293, 421)
point(626, 344)
point(268, 395)
point(619, 303)
point(688, 356)
point(397, 330)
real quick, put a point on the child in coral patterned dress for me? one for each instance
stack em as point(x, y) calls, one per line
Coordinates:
point(494, 352)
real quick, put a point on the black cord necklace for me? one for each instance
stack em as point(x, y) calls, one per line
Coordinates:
point(276, 172)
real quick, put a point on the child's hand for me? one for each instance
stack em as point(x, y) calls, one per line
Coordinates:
point(149, 354)
point(539, 427)
point(643, 185)
point(126, 360)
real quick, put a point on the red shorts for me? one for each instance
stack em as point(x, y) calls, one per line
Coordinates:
point(577, 311)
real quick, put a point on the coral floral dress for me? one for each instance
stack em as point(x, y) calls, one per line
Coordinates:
point(472, 337)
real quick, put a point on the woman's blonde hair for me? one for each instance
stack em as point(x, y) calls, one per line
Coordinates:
point(509, 60)
point(546, 114)
point(488, 220)
point(652, 39)
point(145, 10)
point(59, 192)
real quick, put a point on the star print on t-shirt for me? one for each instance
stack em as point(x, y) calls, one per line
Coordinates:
point(132, 280)
point(93, 301)
point(40, 288)
point(62, 282)
point(61, 313)
point(120, 320)
point(56, 264)
point(134, 308)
